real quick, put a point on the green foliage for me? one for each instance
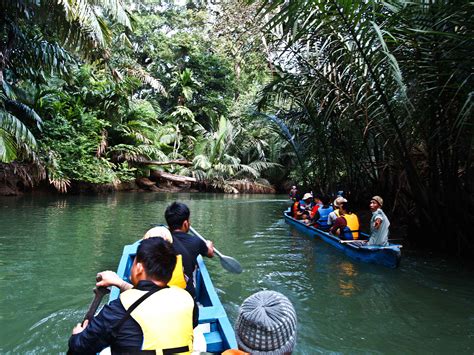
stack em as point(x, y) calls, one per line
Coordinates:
point(75, 136)
point(150, 94)
point(35, 38)
point(372, 91)
point(95, 130)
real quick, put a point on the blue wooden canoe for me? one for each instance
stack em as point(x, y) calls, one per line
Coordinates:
point(221, 335)
point(388, 256)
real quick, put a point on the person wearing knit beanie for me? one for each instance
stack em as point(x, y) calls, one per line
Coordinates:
point(266, 324)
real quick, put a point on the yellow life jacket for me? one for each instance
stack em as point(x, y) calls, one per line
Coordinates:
point(353, 224)
point(177, 279)
point(166, 318)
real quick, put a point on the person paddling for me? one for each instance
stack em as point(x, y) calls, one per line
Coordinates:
point(177, 217)
point(150, 317)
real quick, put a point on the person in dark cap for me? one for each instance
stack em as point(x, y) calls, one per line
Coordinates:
point(266, 325)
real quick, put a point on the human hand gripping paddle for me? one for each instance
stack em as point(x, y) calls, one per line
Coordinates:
point(227, 262)
point(99, 293)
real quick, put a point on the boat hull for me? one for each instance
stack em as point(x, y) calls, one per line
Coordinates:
point(219, 334)
point(389, 256)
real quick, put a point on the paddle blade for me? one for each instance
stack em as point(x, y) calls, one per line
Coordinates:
point(230, 264)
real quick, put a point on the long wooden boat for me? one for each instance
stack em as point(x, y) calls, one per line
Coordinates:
point(218, 331)
point(388, 256)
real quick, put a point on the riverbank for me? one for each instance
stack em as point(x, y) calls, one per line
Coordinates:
point(17, 179)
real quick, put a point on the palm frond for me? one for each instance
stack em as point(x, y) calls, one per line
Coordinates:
point(148, 79)
point(13, 127)
point(8, 148)
point(82, 15)
point(23, 112)
point(116, 10)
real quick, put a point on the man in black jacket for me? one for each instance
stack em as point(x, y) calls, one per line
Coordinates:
point(151, 316)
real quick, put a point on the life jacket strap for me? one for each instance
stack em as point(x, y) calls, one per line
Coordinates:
point(133, 351)
point(116, 327)
point(181, 349)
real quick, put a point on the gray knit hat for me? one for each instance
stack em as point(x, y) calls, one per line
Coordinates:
point(266, 324)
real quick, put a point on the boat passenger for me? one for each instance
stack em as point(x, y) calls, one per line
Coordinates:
point(184, 257)
point(293, 192)
point(165, 313)
point(179, 278)
point(335, 213)
point(316, 204)
point(306, 206)
point(379, 223)
point(295, 207)
point(110, 278)
point(266, 324)
point(320, 219)
point(346, 226)
point(177, 217)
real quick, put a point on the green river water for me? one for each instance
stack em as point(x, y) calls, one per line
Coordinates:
point(53, 246)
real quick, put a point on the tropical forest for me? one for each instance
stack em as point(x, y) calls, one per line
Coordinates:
point(246, 96)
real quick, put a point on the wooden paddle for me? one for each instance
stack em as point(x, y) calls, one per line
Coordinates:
point(99, 293)
point(227, 262)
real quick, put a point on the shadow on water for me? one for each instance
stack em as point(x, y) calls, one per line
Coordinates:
point(52, 247)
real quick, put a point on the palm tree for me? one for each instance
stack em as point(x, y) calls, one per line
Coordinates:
point(214, 162)
point(37, 38)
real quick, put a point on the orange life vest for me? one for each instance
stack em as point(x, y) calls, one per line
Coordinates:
point(314, 210)
point(353, 224)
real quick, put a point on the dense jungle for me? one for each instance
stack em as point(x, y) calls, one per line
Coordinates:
point(369, 97)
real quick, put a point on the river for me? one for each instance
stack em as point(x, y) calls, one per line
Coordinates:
point(53, 246)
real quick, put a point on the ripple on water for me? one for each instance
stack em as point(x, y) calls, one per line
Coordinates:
point(58, 325)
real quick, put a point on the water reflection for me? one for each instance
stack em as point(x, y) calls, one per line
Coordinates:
point(347, 274)
point(60, 203)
